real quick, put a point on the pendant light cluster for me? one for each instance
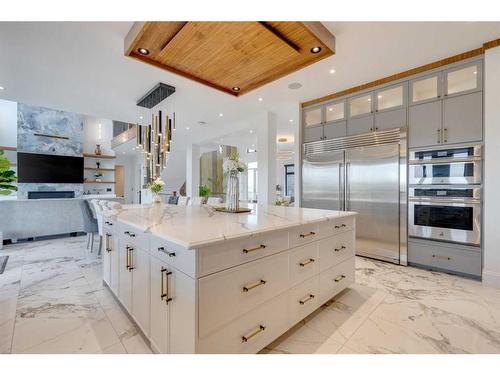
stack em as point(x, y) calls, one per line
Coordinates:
point(154, 136)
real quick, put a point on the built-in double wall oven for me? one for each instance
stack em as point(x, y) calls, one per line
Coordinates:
point(445, 194)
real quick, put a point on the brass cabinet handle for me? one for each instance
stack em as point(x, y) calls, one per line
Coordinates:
point(250, 287)
point(339, 278)
point(307, 299)
point(339, 249)
point(164, 291)
point(309, 261)
point(445, 135)
point(108, 248)
point(169, 253)
point(246, 251)
point(131, 259)
point(256, 332)
point(439, 136)
point(340, 226)
point(307, 235)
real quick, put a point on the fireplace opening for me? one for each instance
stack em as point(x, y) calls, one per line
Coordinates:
point(50, 194)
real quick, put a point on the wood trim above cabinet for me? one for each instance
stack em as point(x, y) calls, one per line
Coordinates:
point(407, 73)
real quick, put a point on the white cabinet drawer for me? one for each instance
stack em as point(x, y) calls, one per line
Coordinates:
point(133, 236)
point(232, 253)
point(228, 294)
point(334, 250)
point(336, 226)
point(304, 234)
point(174, 255)
point(304, 263)
point(304, 299)
point(333, 280)
point(251, 332)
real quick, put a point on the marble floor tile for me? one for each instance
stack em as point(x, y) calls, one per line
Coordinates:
point(52, 300)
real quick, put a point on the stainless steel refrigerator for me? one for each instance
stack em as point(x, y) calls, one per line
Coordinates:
point(364, 173)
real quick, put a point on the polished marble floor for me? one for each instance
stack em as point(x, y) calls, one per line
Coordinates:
point(52, 301)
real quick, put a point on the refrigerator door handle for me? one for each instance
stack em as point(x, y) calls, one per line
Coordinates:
point(347, 204)
point(341, 187)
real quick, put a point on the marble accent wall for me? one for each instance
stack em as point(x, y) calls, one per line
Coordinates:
point(45, 121)
point(39, 120)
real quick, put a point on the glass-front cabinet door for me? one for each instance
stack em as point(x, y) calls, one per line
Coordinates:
point(463, 79)
point(313, 116)
point(361, 105)
point(335, 111)
point(425, 89)
point(390, 98)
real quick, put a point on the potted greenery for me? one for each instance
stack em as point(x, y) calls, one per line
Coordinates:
point(204, 191)
point(155, 187)
point(98, 176)
point(7, 176)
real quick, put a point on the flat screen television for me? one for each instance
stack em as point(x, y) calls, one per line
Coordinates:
point(49, 168)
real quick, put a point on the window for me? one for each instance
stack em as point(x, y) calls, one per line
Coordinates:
point(289, 179)
point(252, 182)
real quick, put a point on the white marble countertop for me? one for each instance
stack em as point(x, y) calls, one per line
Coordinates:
point(198, 226)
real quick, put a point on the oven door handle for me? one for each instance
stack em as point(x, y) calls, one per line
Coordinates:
point(464, 202)
point(472, 159)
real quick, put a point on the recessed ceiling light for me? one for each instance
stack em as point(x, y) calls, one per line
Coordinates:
point(123, 152)
point(330, 109)
point(140, 117)
point(2, 88)
point(143, 51)
point(291, 120)
point(332, 71)
point(316, 49)
point(369, 99)
point(236, 88)
point(261, 99)
point(251, 131)
point(295, 86)
point(379, 96)
point(187, 128)
point(221, 114)
point(475, 72)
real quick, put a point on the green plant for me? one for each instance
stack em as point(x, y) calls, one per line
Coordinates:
point(156, 186)
point(7, 176)
point(204, 191)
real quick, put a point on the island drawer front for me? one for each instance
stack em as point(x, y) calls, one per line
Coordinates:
point(334, 250)
point(133, 236)
point(304, 234)
point(228, 294)
point(228, 254)
point(335, 279)
point(304, 263)
point(304, 299)
point(180, 258)
point(259, 326)
point(336, 226)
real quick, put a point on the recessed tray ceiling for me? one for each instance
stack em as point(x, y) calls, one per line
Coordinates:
point(234, 57)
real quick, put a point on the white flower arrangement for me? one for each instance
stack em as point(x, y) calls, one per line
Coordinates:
point(156, 186)
point(232, 166)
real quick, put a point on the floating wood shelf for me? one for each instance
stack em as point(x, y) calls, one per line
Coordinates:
point(94, 156)
point(8, 148)
point(100, 169)
point(99, 182)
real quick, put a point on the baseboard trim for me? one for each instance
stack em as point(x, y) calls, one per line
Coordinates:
point(491, 278)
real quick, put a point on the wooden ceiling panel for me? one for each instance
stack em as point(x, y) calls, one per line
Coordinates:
point(224, 55)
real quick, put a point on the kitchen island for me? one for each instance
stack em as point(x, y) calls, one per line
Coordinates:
point(200, 281)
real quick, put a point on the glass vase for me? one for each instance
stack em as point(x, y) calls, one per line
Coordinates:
point(233, 193)
point(156, 198)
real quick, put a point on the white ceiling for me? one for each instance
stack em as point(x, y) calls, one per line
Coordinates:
point(80, 67)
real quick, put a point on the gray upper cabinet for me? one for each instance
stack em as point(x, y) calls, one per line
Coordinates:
point(390, 119)
point(361, 105)
point(360, 125)
point(313, 133)
point(325, 121)
point(427, 88)
point(463, 79)
point(313, 116)
point(463, 118)
point(335, 130)
point(425, 124)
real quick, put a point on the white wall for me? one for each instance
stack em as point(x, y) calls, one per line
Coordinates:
point(491, 257)
point(8, 123)
point(266, 158)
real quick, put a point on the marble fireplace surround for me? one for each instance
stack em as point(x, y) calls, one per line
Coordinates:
point(36, 127)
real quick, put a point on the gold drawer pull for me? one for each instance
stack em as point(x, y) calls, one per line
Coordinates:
point(339, 278)
point(303, 264)
point(164, 292)
point(170, 254)
point(307, 235)
point(340, 226)
point(246, 251)
point(130, 259)
point(250, 287)
point(340, 248)
point(307, 299)
point(108, 236)
point(256, 332)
